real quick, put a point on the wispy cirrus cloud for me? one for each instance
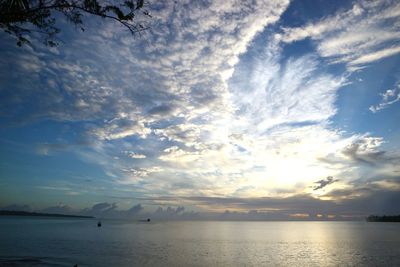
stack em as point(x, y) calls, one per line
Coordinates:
point(389, 97)
point(367, 32)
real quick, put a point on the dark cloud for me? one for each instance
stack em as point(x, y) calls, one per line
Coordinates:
point(325, 182)
point(174, 213)
point(110, 210)
point(369, 200)
point(104, 207)
point(348, 204)
point(169, 210)
point(135, 209)
point(204, 95)
point(365, 151)
point(355, 153)
point(162, 110)
point(294, 204)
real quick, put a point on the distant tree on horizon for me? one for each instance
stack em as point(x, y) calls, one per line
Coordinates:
point(384, 218)
point(20, 18)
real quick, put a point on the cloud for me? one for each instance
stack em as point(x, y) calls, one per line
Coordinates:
point(365, 33)
point(188, 134)
point(103, 207)
point(121, 127)
point(110, 210)
point(390, 184)
point(167, 89)
point(378, 201)
point(61, 208)
point(323, 183)
point(376, 56)
point(168, 212)
point(363, 198)
point(366, 146)
point(389, 97)
point(138, 175)
point(280, 116)
point(134, 155)
point(176, 70)
point(176, 154)
point(162, 109)
point(195, 113)
point(135, 209)
point(364, 167)
point(365, 150)
point(289, 93)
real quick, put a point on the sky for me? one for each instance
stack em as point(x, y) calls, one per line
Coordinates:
point(221, 110)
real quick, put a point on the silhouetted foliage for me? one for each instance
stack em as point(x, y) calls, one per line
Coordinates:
point(384, 218)
point(22, 17)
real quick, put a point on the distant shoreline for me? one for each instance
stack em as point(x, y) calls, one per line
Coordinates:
point(39, 214)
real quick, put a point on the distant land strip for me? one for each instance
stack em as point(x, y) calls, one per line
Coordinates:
point(27, 213)
point(385, 218)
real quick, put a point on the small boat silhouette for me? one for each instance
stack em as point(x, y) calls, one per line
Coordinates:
point(98, 224)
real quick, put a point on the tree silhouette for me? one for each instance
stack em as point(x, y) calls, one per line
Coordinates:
point(23, 17)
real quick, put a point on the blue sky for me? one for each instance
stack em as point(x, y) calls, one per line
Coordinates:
point(284, 108)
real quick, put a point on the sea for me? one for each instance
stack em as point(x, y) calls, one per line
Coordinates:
point(34, 241)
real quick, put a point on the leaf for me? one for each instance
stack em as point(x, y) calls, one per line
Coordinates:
point(139, 4)
point(130, 4)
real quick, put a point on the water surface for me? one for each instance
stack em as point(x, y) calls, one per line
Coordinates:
point(65, 242)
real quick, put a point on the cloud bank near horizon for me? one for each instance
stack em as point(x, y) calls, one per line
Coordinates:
point(351, 206)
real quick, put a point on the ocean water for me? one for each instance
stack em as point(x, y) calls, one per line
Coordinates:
point(66, 242)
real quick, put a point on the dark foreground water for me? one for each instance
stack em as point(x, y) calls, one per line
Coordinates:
point(65, 242)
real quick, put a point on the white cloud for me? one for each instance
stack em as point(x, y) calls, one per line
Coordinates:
point(143, 172)
point(358, 36)
point(273, 94)
point(376, 56)
point(177, 70)
point(120, 128)
point(389, 97)
point(176, 154)
point(188, 133)
point(134, 155)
